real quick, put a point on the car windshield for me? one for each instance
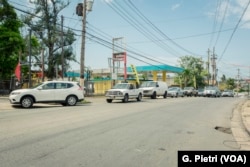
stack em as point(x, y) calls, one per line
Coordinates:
point(210, 88)
point(121, 86)
point(187, 88)
point(173, 88)
point(148, 84)
point(37, 85)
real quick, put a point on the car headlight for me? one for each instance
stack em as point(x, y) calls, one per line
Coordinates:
point(15, 93)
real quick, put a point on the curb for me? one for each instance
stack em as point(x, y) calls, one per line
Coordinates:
point(245, 115)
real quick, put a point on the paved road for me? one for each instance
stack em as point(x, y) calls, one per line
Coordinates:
point(147, 133)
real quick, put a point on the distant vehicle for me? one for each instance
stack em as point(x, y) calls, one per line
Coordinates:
point(64, 92)
point(154, 88)
point(175, 92)
point(227, 93)
point(200, 92)
point(190, 91)
point(212, 91)
point(124, 92)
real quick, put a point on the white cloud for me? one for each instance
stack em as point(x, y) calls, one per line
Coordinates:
point(175, 6)
point(108, 1)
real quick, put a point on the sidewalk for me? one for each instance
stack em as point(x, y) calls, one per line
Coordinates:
point(240, 125)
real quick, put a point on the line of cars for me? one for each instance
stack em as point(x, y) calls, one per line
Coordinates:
point(154, 89)
point(69, 93)
point(214, 91)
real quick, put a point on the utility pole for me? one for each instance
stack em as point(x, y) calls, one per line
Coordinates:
point(208, 65)
point(42, 64)
point(213, 64)
point(62, 44)
point(30, 82)
point(81, 10)
point(82, 59)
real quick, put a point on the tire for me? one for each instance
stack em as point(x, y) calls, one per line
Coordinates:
point(125, 100)
point(153, 96)
point(71, 101)
point(165, 95)
point(139, 97)
point(27, 102)
point(109, 100)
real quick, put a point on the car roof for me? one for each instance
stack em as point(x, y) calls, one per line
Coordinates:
point(60, 81)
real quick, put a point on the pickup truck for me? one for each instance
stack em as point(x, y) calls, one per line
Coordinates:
point(190, 91)
point(124, 92)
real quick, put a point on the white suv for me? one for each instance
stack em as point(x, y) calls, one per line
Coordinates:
point(64, 92)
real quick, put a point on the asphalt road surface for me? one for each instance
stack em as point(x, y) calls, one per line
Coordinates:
point(133, 134)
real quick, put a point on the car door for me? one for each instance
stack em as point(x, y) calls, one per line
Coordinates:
point(46, 92)
point(62, 90)
point(132, 91)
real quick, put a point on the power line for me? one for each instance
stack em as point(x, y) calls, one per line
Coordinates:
point(143, 17)
point(236, 27)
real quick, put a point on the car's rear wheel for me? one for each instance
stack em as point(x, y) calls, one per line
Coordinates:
point(165, 95)
point(27, 102)
point(153, 96)
point(139, 97)
point(71, 100)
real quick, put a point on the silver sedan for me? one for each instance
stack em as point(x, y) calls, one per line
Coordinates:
point(175, 92)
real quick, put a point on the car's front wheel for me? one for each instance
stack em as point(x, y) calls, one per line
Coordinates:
point(27, 102)
point(109, 100)
point(125, 100)
point(139, 97)
point(71, 100)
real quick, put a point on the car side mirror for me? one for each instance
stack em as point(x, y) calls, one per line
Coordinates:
point(157, 85)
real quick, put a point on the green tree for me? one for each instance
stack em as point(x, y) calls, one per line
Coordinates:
point(194, 73)
point(223, 78)
point(230, 83)
point(44, 24)
point(11, 41)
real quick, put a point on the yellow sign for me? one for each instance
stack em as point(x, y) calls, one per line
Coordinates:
point(135, 73)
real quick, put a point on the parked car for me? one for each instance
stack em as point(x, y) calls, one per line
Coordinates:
point(175, 92)
point(227, 93)
point(64, 92)
point(200, 92)
point(190, 91)
point(212, 91)
point(154, 88)
point(124, 92)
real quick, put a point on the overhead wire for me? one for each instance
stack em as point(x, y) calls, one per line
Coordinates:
point(138, 26)
point(236, 27)
point(154, 27)
point(222, 22)
point(102, 42)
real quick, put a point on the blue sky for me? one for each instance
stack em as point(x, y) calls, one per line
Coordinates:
point(173, 28)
